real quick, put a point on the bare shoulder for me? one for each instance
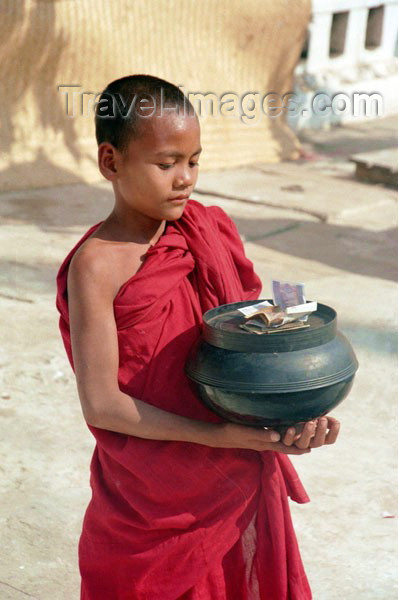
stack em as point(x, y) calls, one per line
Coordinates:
point(92, 269)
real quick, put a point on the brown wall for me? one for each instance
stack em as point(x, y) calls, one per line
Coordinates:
point(203, 45)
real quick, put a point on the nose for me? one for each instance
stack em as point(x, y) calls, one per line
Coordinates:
point(183, 178)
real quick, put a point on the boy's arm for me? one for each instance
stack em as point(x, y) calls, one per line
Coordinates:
point(91, 291)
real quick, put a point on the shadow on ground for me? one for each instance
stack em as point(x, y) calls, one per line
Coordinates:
point(352, 249)
point(342, 141)
point(58, 209)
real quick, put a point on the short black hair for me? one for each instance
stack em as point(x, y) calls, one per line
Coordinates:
point(126, 101)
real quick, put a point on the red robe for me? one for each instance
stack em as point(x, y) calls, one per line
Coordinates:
point(176, 520)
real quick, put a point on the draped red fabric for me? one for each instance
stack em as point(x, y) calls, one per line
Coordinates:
point(176, 520)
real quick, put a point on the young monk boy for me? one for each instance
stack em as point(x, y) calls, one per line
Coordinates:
point(184, 505)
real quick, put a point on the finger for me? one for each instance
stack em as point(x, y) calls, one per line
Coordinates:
point(270, 435)
point(280, 447)
point(320, 433)
point(308, 433)
point(298, 430)
point(334, 428)
point(289, 436)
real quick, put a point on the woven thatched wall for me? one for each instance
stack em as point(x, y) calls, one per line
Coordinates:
point(204, 45)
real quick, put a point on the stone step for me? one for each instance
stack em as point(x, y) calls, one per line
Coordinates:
point(377, 167)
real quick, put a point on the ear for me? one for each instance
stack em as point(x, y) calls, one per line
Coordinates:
point(108, 160)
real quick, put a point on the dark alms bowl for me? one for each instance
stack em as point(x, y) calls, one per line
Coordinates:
point(271, 380)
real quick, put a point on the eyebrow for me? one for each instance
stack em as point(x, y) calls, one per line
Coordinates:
point(172, 154)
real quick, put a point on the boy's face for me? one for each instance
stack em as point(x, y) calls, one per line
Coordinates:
point(157, 172)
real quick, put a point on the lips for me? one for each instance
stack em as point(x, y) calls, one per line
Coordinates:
point(180, 197)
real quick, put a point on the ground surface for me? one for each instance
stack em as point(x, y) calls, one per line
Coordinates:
point(308, 221)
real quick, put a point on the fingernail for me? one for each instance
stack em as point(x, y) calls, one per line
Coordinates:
point(275, 437)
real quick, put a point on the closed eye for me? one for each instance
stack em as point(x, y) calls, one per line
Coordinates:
point(166, 166)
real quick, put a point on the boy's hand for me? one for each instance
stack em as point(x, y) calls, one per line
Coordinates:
point(231, 435)
point(313, 434)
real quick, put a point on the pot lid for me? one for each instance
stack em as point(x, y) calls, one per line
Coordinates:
point(222, 328)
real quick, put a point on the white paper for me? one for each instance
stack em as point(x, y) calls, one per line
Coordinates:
point(250, 310)
point(306, 308)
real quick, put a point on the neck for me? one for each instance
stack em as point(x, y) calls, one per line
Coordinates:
point(135, 227)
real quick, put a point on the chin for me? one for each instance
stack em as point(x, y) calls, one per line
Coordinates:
point(175, 212)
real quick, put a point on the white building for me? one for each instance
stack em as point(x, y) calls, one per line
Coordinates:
point(349, 67)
